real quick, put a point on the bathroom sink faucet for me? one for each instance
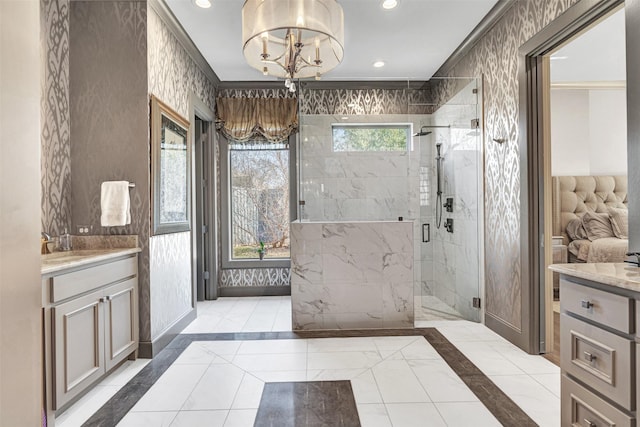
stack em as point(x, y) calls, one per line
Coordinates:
point(46, 236)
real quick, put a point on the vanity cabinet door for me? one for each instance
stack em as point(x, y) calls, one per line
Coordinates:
point(78, 345)
point(121, 327)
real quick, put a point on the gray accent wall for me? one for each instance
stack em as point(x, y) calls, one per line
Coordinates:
point(495, 58)
point(109, 120)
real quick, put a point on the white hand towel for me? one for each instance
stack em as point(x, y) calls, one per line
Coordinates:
point(115, 203)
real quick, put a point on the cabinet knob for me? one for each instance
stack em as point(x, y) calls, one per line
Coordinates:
point(108, 297)
point(102, 299)
point(586, 304)
point(590, 357)
point(589, 423)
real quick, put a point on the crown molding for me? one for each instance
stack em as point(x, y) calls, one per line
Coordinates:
point(165, 14)
point(605, 84)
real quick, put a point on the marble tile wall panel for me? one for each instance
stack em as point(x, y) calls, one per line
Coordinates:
point(495, 58)
point(55, 136)
point(352, 274)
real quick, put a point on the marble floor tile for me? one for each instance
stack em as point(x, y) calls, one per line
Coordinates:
point(440, 382)
point(307, 404)
point(86, 406)
point(465, 414)
point(365, 388)
point(538, 402)
point(200, 419)
point(550, 381)
point(414, 415)
point(172, 389)
point(398, 383)
point(273, 347)
point(374, 415)
point(148, 419)
point(249, 393)
point(271, 362)
point(241, 418)
point(216, 389)
point(343, 360)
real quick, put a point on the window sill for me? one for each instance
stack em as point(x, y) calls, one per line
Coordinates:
point(256, 263)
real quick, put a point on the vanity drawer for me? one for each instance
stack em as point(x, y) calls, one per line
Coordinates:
point(78, 282)
point(598, 358)
point(614, 311)
point(580, 407)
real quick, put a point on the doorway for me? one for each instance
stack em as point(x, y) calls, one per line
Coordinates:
point(587, 145)
point(536, 182)
point(205, 231)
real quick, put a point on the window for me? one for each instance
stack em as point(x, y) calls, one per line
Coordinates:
point(257, 185)
point(371, 137)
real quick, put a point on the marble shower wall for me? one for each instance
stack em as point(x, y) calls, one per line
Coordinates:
point(495, 58)
point(55, 144)
point(355, 186)
point(172, 76)
point(352, 275)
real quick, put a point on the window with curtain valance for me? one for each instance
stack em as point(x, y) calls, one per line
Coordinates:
point(257, 120)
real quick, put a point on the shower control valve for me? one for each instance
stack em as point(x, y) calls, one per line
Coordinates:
point(449, 204)
point(448, 225)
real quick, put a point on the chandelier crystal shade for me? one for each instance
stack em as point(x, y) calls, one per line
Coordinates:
point(293, 38)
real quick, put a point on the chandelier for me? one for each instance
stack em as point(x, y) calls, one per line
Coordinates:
point(293, 39)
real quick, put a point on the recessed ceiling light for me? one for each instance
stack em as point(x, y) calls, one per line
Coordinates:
point(205, 4)
point(389, 4)
point(378, 64)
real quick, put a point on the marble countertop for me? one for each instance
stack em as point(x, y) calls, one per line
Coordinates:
point(621, 275)
point(58, 261)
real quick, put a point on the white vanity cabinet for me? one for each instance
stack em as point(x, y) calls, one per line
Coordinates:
point(91, 324)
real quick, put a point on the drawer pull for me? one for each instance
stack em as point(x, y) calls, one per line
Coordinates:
point(590, 357)
point(586, 304)
point(589, 423)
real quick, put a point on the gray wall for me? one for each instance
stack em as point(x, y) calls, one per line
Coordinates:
point(109, 119)
point(20, 289)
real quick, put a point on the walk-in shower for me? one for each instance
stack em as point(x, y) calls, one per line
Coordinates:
point(408, 177)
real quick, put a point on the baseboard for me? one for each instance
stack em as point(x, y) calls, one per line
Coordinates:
point(254, 291)
point(149, 350)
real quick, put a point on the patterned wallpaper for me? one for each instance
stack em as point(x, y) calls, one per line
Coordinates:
point(56, 155)
point(365, 101)
point(172, 77)
point(109, 130)
point(495, 59)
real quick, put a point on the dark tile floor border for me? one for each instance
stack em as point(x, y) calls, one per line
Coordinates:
point(494, 399)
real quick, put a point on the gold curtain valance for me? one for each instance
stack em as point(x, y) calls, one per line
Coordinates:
point(246, 120)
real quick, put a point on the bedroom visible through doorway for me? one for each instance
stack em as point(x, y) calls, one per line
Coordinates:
point(586, 160)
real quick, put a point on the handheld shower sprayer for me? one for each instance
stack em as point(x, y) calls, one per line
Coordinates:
point(438, 185)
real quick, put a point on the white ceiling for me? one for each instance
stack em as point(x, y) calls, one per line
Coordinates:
point(596, 55)
point(414, 39)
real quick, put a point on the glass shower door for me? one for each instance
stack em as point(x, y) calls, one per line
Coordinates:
point(451, 205)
